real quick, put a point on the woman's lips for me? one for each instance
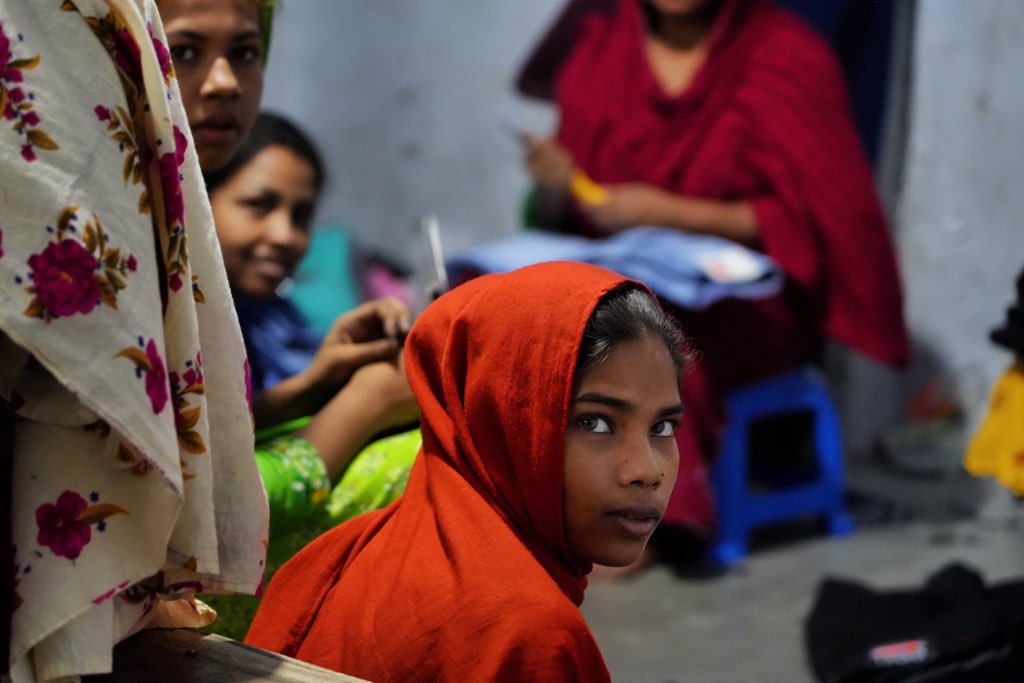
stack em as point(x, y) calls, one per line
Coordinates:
point(274, 270)
point(635, 521)
point(216, 130)
point(214, 135)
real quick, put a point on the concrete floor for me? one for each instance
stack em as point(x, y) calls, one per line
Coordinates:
point(914, 515)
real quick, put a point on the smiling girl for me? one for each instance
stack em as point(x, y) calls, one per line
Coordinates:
point(550, 401)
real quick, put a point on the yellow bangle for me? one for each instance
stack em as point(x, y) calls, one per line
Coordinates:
point(586, 191)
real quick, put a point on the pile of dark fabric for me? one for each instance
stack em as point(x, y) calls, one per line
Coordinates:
point(1011, 333)
point(954, 629)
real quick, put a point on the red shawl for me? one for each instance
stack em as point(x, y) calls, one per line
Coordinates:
point(766, 119)
point(467, 576)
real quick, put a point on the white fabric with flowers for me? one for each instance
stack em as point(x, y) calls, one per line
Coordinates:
point(133, 477)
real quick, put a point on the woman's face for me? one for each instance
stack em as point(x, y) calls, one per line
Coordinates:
point(263, 215)
point(621, 458)
point(216, 48)
point(677, 7)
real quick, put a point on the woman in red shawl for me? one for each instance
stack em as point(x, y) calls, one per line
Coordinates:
point(550, 400)
point(726, 118)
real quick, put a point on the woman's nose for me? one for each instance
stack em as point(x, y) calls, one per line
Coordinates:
point(221, 80)
point(640, 464)
point(280, 230)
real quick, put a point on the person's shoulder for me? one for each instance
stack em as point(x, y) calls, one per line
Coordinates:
point(786, 53)
point(593, 34)
point(517, 612)
point(787, 39)
point(783, 26)
point(540, 638)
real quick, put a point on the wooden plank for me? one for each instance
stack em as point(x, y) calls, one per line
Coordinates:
point(185, 655)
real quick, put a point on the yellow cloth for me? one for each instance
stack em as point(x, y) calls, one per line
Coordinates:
point(997, 448)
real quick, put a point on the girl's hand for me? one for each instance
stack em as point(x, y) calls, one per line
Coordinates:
point(371, 332)
point(549, 163)
point(381, 318)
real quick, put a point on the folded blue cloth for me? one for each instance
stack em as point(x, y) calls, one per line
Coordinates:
point(691, 271)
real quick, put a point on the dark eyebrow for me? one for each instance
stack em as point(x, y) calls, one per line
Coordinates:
point(622, 404)
point(185, 33)
point(604, 400)
point(677, 409)
point(262, 192)
point(248, 35)
point(199, 37)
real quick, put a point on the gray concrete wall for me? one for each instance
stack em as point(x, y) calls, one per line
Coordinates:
point(960, 218)
point(410, 101)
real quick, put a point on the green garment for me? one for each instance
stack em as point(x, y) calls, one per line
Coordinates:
point(303, 505)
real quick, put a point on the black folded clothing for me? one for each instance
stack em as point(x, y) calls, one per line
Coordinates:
point(1011, 333)
point(953, 630)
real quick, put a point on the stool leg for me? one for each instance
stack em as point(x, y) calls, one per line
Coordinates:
point(829, 445)
point(730, 482)
point(840, 524)
point(728, 552)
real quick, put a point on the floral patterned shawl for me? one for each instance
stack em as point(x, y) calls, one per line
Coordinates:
point(133, 477)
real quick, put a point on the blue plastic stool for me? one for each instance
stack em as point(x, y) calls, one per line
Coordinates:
point(740, 509)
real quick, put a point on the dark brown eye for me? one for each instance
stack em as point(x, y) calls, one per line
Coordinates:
point(665, 428)
point(261, 205)
point(593, 423)
point(183, 53)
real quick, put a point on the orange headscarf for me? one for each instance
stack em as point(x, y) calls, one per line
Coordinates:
point(468, 576)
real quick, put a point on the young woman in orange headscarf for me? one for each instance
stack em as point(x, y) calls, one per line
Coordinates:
point(550, 400)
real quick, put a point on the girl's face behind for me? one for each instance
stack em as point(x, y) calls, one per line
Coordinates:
point(621, 458)
point(216, 48)
point(678, 8)
point(263, 215)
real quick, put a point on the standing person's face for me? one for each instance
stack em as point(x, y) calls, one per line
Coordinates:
point(679, 8)
point(216, 48)
point(621, 458)
point(263, 215)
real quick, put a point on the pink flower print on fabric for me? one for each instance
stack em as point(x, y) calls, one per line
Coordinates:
point(64, 275)
point(127, 56)
point(110, 593)
point(190, 381)
point(129, 59)
point(248, 384)
point(150, 365)
point(163, 55)
point(65, 527)
point(156, 378)
point(1, 243)
point(16, 104)
point(186, 416)
point(174, 215)
point(59, 527)
point(170, 178)
point(71, 277)
point(7, 73)
point(136, 163)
